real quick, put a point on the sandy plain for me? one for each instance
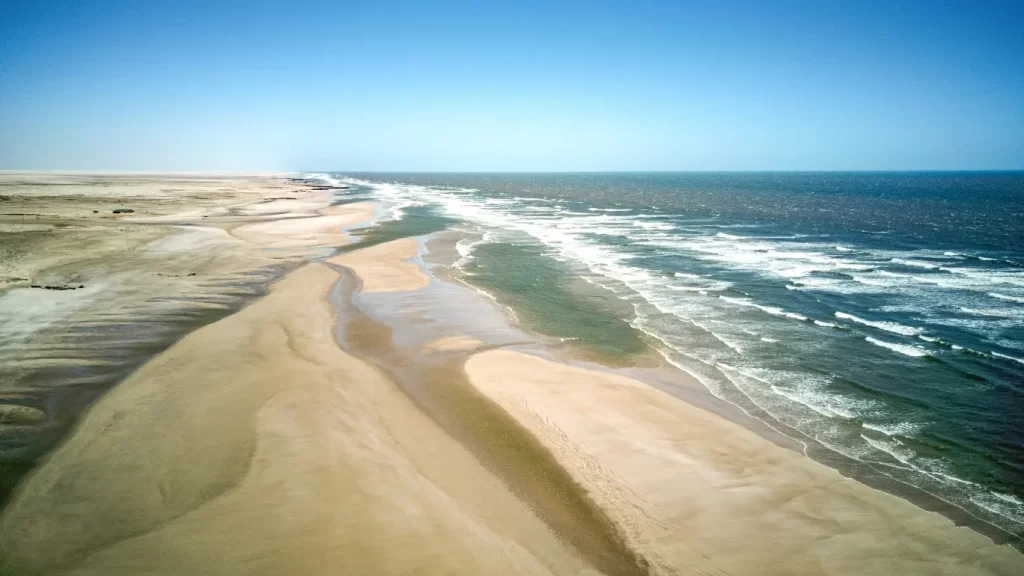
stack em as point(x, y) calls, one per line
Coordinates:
point(99, 272)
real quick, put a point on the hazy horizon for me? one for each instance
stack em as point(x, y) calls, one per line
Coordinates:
point(315, 171)
point(460, 87)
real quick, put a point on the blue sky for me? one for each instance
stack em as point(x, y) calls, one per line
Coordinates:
point(481, 86)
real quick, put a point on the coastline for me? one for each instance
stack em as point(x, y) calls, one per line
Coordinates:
point(633, 449)
point(434, 425)
point(280, 466)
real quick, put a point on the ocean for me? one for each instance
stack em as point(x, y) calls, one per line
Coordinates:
point(876, 317)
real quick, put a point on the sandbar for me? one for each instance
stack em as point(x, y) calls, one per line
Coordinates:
point(695, 492)
point(385, 267)
point(257, 446)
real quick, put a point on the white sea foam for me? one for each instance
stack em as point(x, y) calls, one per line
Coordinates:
point(990, 312)
point(906, 350)
point(894, 448)
point(533, 199)
point(1008, 357)
point(805, 401)
point(465, 248)
point(1005, 505)
point(976, 278)
point(790, 260)
point(654, 225)
point(868, 281)
point(1006, 297)
point(1008, 498)
point(894, 428)
point(914, 263)
point(773, 310)
point(325, 179)
point(892, 327)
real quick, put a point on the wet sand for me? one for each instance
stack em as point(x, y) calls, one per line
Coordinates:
point(256, 446)
point(100, 272)
point(259, 445)
point(689, 490)
point(692, 489)
point(386, 267)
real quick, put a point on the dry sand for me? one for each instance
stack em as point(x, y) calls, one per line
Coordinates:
point(697, 494)
point(384, 268)
point(256, 446)
point(310, 231)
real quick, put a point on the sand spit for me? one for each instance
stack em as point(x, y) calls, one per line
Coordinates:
point(256, 446)
point(432, 377)
point(384, 267)
point(696, 493)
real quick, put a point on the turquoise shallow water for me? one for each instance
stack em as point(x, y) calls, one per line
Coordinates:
point(877, 316)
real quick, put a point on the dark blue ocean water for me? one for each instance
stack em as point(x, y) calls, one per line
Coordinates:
point(879, 316)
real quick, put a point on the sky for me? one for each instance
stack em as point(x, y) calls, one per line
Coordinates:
point(511, 86)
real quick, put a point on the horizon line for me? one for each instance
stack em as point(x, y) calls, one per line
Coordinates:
point(407, 171)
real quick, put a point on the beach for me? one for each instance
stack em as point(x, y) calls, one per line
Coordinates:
point(99, 272)
point(306, 405)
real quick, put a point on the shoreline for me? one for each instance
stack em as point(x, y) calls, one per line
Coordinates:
point(945, 530)
point(435, 382)
point(262, 448)
point(429, 422)
point(680, 383)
